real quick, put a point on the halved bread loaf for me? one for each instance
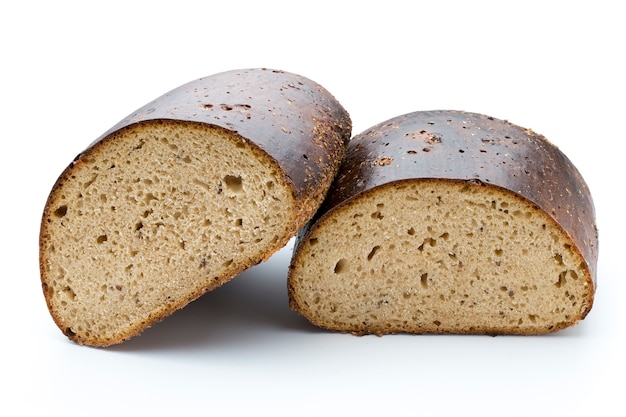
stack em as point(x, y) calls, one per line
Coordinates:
point(449, 222)
point(179, 197)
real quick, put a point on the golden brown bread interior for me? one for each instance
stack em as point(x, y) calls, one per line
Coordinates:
point(449, 222)
point(182, 195)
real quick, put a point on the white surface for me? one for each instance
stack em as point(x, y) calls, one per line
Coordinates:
point(71, 70)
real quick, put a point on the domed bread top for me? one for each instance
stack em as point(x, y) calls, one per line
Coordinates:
point(294, 120)
point(182, 195)
point(446, 221)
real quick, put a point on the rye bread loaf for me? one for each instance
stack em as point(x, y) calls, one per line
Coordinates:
point(449, 222)
point(182, 195)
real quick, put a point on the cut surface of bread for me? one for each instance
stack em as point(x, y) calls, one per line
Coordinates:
point(423, 256)
point(161, 211)
point(146, 217)
point(409, 245)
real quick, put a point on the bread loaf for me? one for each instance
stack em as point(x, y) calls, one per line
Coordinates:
point(449, 222)
point(182, 195)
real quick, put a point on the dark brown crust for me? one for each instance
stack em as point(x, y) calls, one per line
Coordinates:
point(454, 145)
point(294, 120)
point(298, 124)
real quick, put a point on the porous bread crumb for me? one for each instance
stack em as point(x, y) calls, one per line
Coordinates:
point(153, 217)
point(439, 256)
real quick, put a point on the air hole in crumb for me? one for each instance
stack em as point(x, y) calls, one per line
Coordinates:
point(498, 252)
point(69, 292)
point(377, 214)
point(239, 222)
point(313, 241)
point(61, 211)
point(233, 183)
point(102, 239)
point(149, 197)
point(561, 280)
point(428, 241)
point(424, 280)
point(372, 252)
point(411, 231)
point(558, 258)
point(341, 266)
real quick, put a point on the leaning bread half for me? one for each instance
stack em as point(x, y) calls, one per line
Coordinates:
point(182, 195)
point(449, 222)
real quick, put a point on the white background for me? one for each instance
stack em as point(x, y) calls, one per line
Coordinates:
point(71, 70)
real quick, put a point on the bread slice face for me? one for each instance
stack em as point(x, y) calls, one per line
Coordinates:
point(154, 217)
point(160, 211)
point(410, 241)
point(439, 257)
